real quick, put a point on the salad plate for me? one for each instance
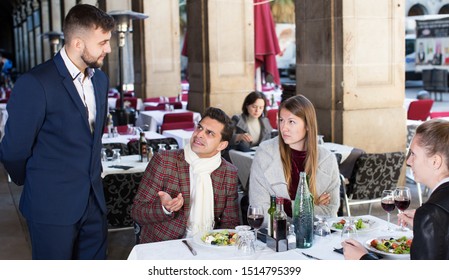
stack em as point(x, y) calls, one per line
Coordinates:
point(385, 246)
point(218, 238)
point(363, 224)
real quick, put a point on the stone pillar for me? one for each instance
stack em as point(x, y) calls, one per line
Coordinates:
point(350, 64)
point(220, 53)
point(45, 27)
point(161, 74)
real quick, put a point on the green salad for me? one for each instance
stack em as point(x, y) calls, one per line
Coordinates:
point(359, 224)
point(392, 245)
point(220, 238)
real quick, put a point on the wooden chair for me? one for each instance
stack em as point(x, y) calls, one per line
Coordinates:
point(419, 109)
point(372, 174)
point(133, 145)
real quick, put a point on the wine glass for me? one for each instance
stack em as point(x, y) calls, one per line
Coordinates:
point(116, 155)
point(402, 199)
point(388, 204)
point(255, 218)
point(349, 230)
point(161, 147)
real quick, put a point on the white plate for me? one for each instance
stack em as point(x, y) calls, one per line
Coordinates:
point(197, 239)
point(372, 224)
point(385, 254)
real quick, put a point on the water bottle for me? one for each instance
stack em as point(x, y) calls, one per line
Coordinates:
point(303, 214)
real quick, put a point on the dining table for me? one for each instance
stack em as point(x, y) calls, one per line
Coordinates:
point(155, 118)
point(322, 248)
point(182, 136)
point(126, 164)
point(125, 138)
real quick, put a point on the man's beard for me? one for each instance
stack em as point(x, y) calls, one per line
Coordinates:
point(90, 61)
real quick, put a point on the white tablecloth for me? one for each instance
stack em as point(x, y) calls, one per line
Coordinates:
point(154, 118)
point(322, 248)
point(181, 136)
point(126, 138)
point(132, 161)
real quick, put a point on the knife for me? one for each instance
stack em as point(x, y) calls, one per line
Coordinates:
point(310, 256)
point(190, 247)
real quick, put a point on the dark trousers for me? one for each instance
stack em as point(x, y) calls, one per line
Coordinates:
point(84, 240)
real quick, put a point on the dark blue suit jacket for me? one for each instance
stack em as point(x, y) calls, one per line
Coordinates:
point(48, 145)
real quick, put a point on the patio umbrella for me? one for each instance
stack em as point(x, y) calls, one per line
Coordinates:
point(266, 45)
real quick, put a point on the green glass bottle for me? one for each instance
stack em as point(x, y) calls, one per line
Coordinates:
point(271, 211)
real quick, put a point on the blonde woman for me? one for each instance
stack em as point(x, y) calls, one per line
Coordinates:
point(278, 162)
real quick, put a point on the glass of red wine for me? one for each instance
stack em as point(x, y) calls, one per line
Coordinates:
point(388, 204)
point(402, 198)
point(255, 218)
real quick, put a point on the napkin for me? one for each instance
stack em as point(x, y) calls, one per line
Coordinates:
point(124, 167)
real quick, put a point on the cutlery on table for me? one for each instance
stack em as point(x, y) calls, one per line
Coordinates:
point(310, 256)
point(190, 247)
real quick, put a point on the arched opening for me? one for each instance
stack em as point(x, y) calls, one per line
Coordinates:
point(417, 10)
point(444, 10)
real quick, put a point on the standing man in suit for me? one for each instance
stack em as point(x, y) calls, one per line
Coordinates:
point(185, 192)
point(52, 142)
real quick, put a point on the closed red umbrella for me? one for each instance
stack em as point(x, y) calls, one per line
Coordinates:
point(265, 39)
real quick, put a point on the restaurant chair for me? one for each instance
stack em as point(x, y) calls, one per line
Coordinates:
point(127, 102)
point(175, 104)
point(373, 173)
point(119, 192)
point(178, 117)
point(152, 99)
point(177, 125)
point(173, 99)
point(439, 82)
point(159, 107)
point(124, 151)
point(272, 116)
point(436, 115)
point(185, 97)
point(427, 80)
point(419, 110)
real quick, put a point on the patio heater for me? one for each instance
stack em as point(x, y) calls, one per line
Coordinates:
point(123, 20)
point(55, 39)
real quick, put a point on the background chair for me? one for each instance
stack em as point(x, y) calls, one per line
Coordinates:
point(119, 192)
point(372, 174)
point(178, 117)
point(159, 107)
point(177, 125)
point(439, 82)
point(272, 116)
point(130, 101)
point(419, 110)
point(435, 115)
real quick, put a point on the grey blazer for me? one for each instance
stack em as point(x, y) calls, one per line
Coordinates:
point(267, 177)
point(241, 126)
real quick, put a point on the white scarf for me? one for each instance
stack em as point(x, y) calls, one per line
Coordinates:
point(201, 217)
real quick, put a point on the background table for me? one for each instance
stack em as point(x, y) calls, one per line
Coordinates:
point(132, 161)
point(154, 119)
point(127, 137)
point(181, 136)
point(322, 248)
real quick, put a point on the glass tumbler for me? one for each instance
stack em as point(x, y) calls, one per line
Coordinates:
point(116, 155)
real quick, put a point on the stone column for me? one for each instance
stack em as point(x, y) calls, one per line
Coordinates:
point(350, 64)
point(45, 27)
point(220, 53)
point(160, 49)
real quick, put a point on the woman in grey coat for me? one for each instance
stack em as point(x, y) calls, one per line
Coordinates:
point(251, 127)
point(277, 163)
